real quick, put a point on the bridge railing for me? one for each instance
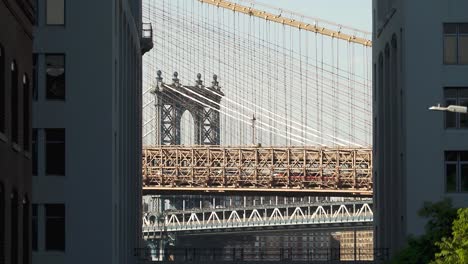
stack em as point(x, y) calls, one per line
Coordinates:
point(351, 203)
point(277, 254)
point(241, 218)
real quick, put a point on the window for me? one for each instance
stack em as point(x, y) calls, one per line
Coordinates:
point(26, 228)
point(35, 226)
point(456, 171)
point(455, 43)
point(34, 152)
point(14, 228)
point(55, 227)
point(35, 6)
point(34, 77)
point(55, 79)
point(55, 151)
point(456, 96)
point(55, 12)
point(2, 91)
point(2, 224)
point(26, 114)
point(14, 102)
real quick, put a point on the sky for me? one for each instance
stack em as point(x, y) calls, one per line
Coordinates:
point(352, 13)
point(261, 75)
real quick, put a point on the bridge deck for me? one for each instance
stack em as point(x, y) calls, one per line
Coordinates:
point(326, 171)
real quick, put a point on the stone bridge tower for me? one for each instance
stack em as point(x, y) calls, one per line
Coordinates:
point(172, 100)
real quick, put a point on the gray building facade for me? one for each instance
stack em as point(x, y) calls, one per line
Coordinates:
point(16, 44)
point(87, 132)
point(420, 59)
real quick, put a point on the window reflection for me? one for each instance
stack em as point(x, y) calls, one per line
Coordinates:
point(55, 79)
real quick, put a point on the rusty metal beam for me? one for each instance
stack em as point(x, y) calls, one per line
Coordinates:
point(324, 171)
point(288, 21)
point(246, 191)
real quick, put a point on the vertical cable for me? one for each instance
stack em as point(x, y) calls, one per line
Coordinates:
point(321, 93)
point(270, 106)
point(291, 83)
point(284, 86)
point(317, 89)
point(302, 88)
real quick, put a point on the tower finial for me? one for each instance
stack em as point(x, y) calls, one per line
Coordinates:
point(199, 80)
point(159, 78)
point(215, 83)
point(175, 79)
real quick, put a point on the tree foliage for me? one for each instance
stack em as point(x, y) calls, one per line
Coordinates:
point(454, 249)
point(422, 249)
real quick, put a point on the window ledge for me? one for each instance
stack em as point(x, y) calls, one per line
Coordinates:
point(3, 137)
point(456, 130)
point(55, 100)
point(54, 251)
point(55, 25)
point(16, 147)
point(48, 252)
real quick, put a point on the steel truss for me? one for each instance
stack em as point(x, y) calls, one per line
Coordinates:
point(300, 169)
point(345, 214)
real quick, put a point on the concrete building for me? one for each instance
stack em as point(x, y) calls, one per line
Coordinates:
point(16, 45)
point(87, 131)
point(420, 58)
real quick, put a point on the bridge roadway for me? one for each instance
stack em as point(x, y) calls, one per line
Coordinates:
point(345, 214)
point(286, 170)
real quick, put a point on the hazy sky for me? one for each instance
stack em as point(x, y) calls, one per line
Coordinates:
point(353, 13)
point(265, 70)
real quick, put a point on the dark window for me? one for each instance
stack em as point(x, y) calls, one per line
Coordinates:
point(26, 114)
point(55, 79)
point(2, 224)
point(34, 152)
point(55, 151)
point(2, 90)
point(374, 84)
point(55, 12)
point(34, 77)
point(451, 177)
point(55, 227)
point(456, 171)
point(35, 6)
point(34, 227)
point(26, 228)
point(14, 229)
point(456, 96)
point(14, 102)
point(456, 43)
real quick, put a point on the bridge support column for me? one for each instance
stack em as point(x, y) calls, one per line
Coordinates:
point(161, 250)
point(153, 250)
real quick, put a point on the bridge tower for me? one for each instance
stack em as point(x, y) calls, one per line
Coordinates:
point(172, 100)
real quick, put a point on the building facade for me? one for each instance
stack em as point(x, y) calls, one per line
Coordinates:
point(420, 59)
point(16, 45)
point(354, 245)
point(87, 131)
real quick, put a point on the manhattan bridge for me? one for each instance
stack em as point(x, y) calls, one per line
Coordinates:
point(257, 129)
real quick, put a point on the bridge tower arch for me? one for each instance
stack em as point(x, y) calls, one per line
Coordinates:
point(202, 102)
point(187, 124)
